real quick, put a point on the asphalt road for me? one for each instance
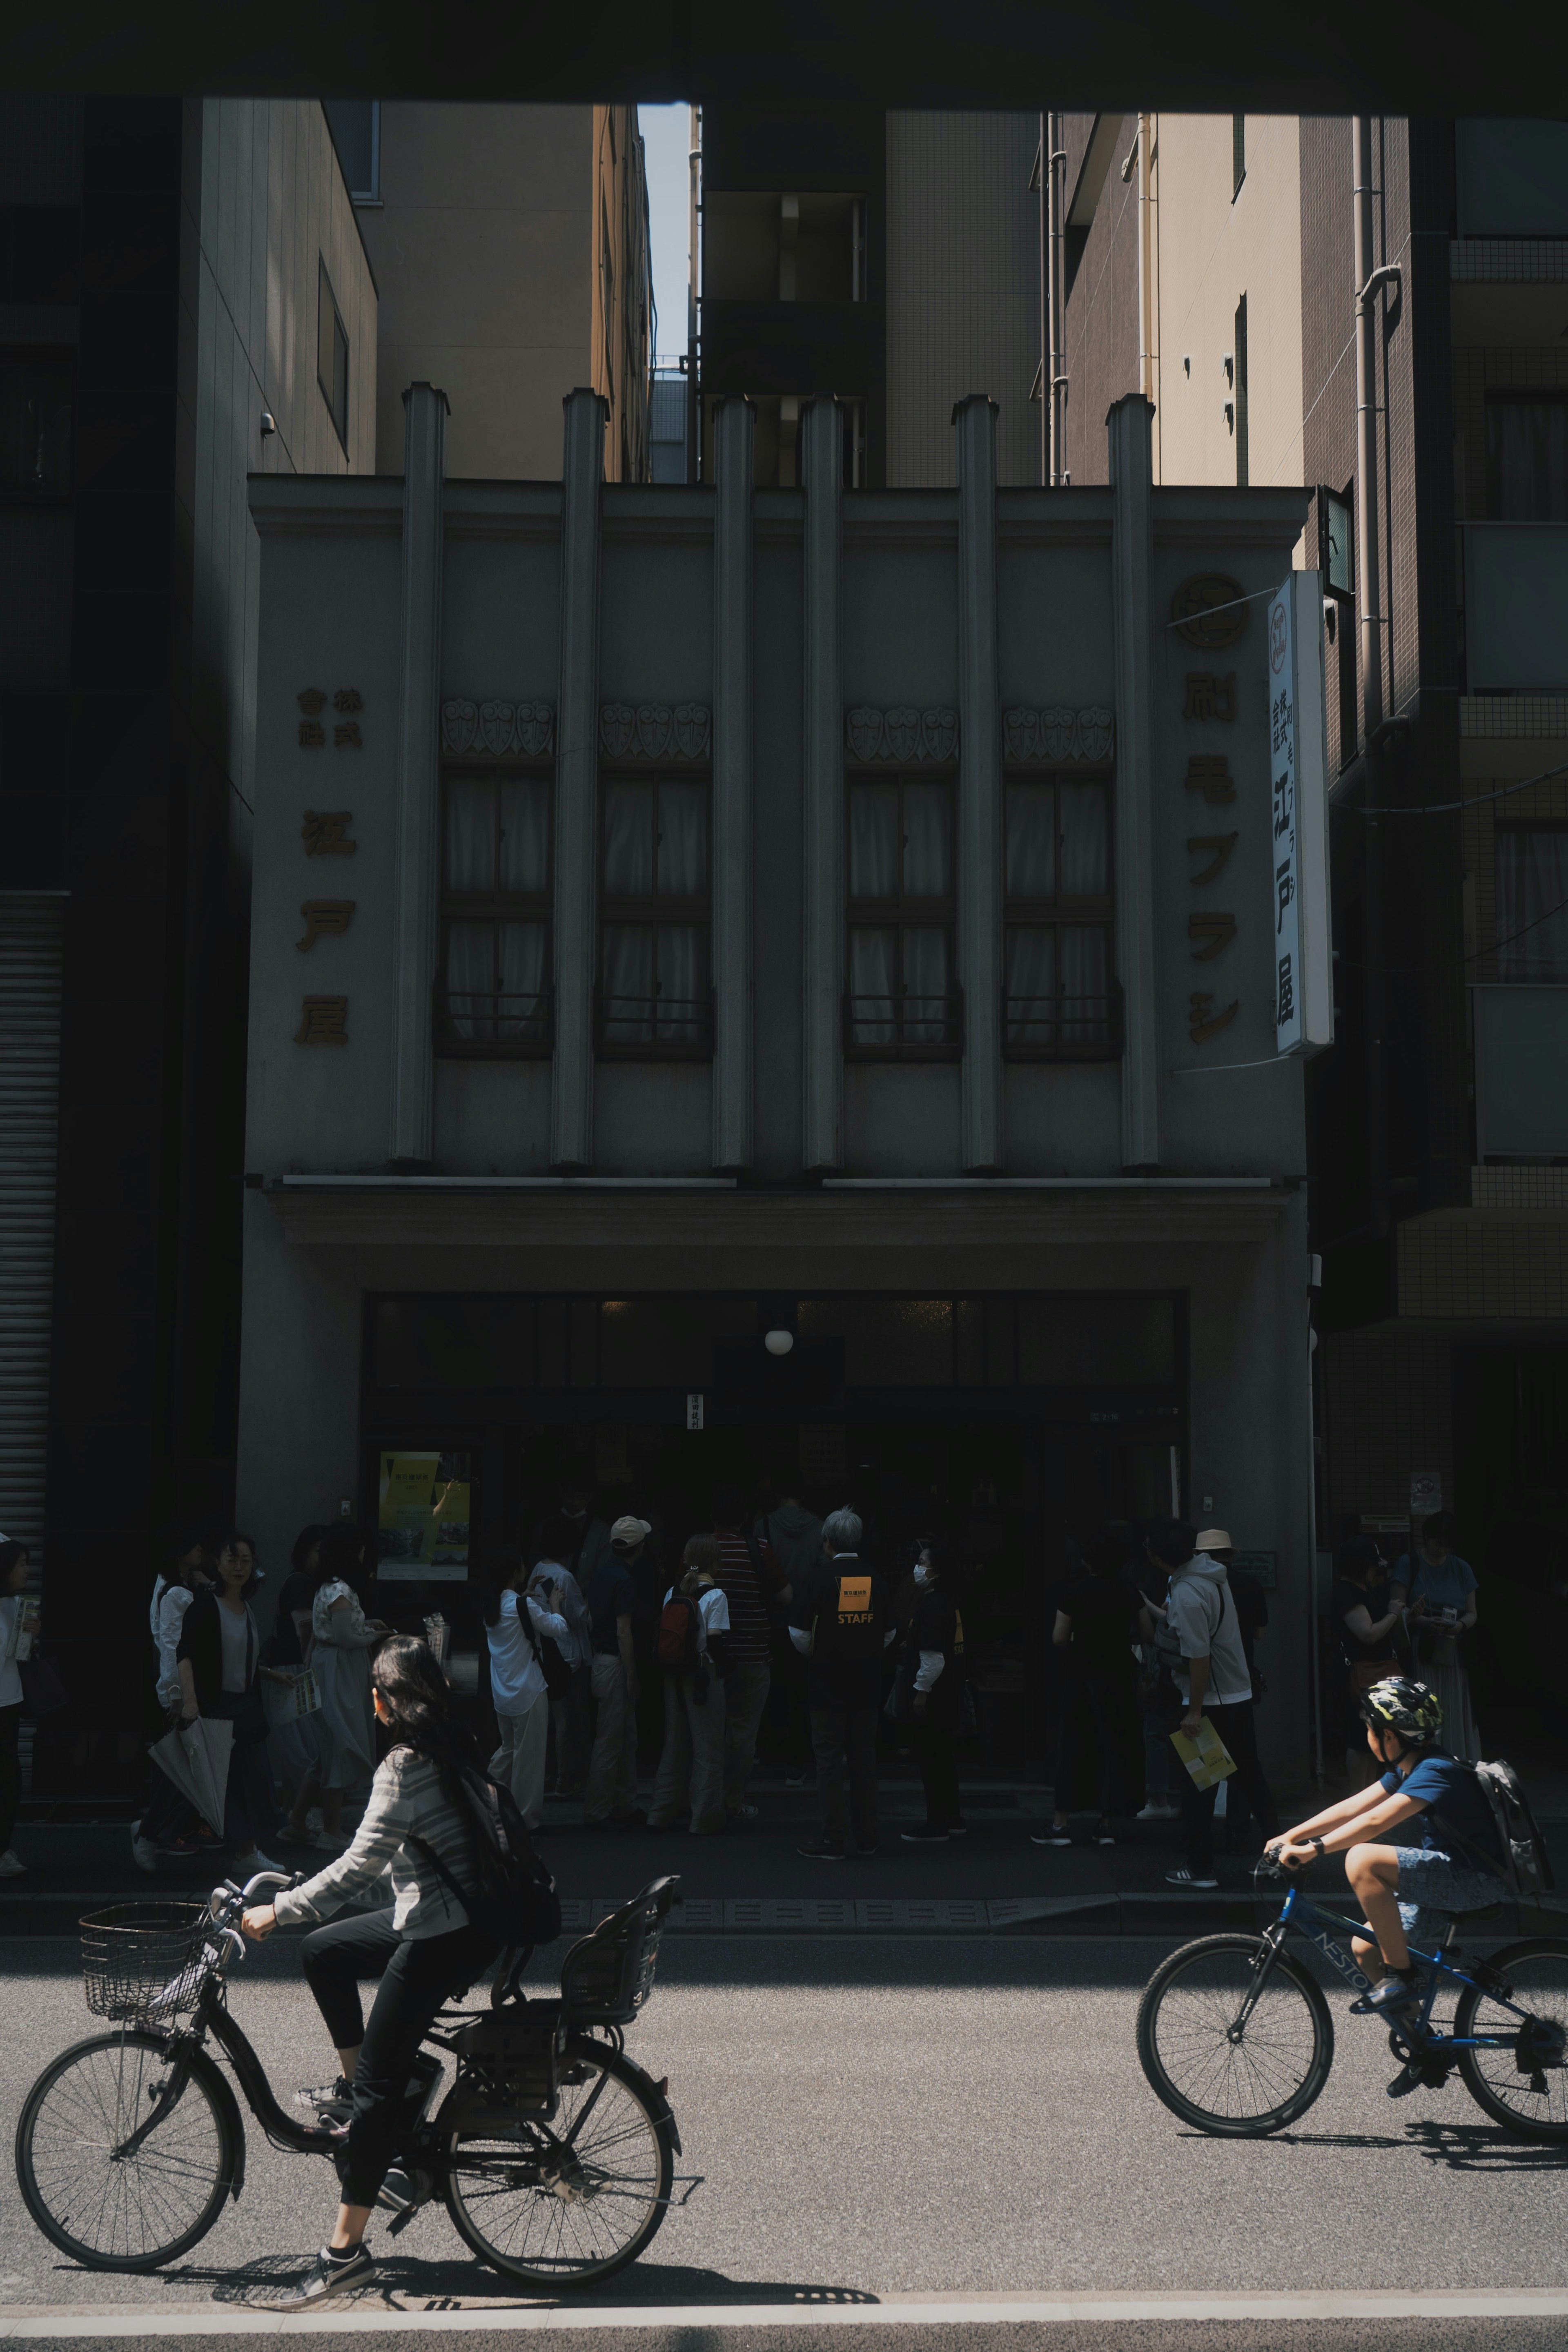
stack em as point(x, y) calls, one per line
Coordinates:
point(875, 2118)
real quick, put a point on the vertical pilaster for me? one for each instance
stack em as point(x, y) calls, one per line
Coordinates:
point(418, 770)
point(1131, 560)
point(577, 784)
point(822, 781)
point(979, 787)
point(732, 1057)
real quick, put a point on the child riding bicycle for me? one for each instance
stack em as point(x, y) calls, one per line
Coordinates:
point(1406, 1888)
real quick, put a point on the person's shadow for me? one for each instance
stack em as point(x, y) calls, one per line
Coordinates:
point(451, 2282)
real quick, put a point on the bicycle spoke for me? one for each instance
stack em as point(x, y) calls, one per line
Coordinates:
point(561, 2208)
point(100, 2201)
point(1538, 1987)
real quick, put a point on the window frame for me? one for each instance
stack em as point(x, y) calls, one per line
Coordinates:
point(903, 914)
point(60, 357)
point(1498, 396)
point(656, 913)
point(1057, 914)
point(495, 905)
point(327, 383)
point(1504, 828)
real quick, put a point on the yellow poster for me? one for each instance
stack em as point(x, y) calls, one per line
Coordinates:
point(423, 1518)
point(1206, 1757)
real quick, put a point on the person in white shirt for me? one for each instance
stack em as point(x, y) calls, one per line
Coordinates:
point(690, 1651)
point(516, 1623)
point(571, 1712)
point(12, 1582)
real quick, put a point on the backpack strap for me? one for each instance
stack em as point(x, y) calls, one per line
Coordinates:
point(439, 1867)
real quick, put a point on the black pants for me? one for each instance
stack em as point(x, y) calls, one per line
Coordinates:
point(1098, 1743)
point(931, 1738)
point(10, 1771)
point(844, 1736)
point(1233, 1725)
point(419, 1975)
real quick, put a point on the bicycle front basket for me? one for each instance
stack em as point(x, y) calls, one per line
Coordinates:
point(141, 1962)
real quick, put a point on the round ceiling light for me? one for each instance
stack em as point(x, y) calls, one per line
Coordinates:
point(779, 1343)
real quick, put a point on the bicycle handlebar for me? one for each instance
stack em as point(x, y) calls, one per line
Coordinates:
point(265, 1878)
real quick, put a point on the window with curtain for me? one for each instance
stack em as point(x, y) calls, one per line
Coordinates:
point(655, 995)
point(902, 994)
point(494, 994)
point(1061, 1002)
point(1531, 927)
point(1527, 457)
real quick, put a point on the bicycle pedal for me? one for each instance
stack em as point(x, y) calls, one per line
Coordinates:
point(405, 2190)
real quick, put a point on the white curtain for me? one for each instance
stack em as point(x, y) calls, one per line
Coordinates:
point(928, 848)
point(1531, 886)
point(873, 841)
point(682, 840)
point(470, 980)
point(873, 981)
point(1526, 459)
point(1030, 965)
point(928, 977)
point(682, 983)
point(524, 838)
point(520, 1013)
point(1085, 815)
point(1083, 956)
point(470, 834)
point(628, 841)
point(1031, 841)
point(628, 984)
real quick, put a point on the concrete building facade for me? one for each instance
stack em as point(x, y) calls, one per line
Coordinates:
point(1437, 1126)
point(186, 302)
point(768, 911)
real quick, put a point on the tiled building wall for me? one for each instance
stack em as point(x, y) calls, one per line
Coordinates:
point(1484, 1266)
point(1387, 1408)
point(963, 290)
point(1102, 314)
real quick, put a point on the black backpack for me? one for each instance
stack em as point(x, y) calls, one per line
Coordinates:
point(513, 1897)
point(1526, 1866)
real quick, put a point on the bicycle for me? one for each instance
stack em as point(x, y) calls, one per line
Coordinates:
point(553, 2150)
point(1235, 2038)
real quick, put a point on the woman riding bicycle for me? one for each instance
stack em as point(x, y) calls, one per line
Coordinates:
point(1403, 1719)
point(422, 1948)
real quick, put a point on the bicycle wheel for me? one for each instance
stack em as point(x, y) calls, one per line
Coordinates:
point(561, 2204)
point(1537, 1976)
point(107, 2208)
point(1239, 2080)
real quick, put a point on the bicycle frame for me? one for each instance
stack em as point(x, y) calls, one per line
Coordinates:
point(1313, 1921)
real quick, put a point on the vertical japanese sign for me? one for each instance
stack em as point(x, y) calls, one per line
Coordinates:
point(1299, 847)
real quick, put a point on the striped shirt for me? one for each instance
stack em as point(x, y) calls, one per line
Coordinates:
point(738, 1580)
point(405, 1796)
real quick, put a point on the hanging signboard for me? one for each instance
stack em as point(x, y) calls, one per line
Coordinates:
point(1299, 820)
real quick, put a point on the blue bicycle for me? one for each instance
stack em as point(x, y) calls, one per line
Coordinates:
point(1235, 2034)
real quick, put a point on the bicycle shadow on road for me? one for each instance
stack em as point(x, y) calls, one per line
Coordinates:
point(1462, 2147)
point(459, 2283)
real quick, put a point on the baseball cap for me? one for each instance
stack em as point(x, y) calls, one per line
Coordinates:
point(1213, 1539)
point(630, 1531)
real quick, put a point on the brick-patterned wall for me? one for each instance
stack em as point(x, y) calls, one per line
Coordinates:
point(963, 290)
point(1464, 1264)
point(1102, 319)
point(1387, 1404)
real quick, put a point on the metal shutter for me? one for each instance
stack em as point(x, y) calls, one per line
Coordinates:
point(32, 927)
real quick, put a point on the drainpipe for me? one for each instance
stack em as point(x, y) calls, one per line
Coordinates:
point(693, 280)
point(1369, 278)
point(1056, 381)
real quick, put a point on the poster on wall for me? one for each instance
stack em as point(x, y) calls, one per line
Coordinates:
point(423, 1521)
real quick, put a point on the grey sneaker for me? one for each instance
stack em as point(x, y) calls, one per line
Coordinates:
point(332, 2274)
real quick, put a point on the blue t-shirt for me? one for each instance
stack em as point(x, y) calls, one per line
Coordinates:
point(1450, 1789)
point(611, 1593)
point(1444, 1584)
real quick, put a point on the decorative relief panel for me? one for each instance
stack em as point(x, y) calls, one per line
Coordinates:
point(1056, 734)
point(655, 730)
point(497, 731)
point(901, 733)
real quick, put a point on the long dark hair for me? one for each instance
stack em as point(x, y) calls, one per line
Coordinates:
point(338, 1556)
point(420, 1709)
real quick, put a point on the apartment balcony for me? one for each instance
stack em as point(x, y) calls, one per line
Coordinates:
point(1516, 607)
point(1521, 1069)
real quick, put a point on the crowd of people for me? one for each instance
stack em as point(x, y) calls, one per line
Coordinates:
point(607, 1657)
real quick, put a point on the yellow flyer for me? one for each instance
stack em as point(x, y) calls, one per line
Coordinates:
point(1206, 1757)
